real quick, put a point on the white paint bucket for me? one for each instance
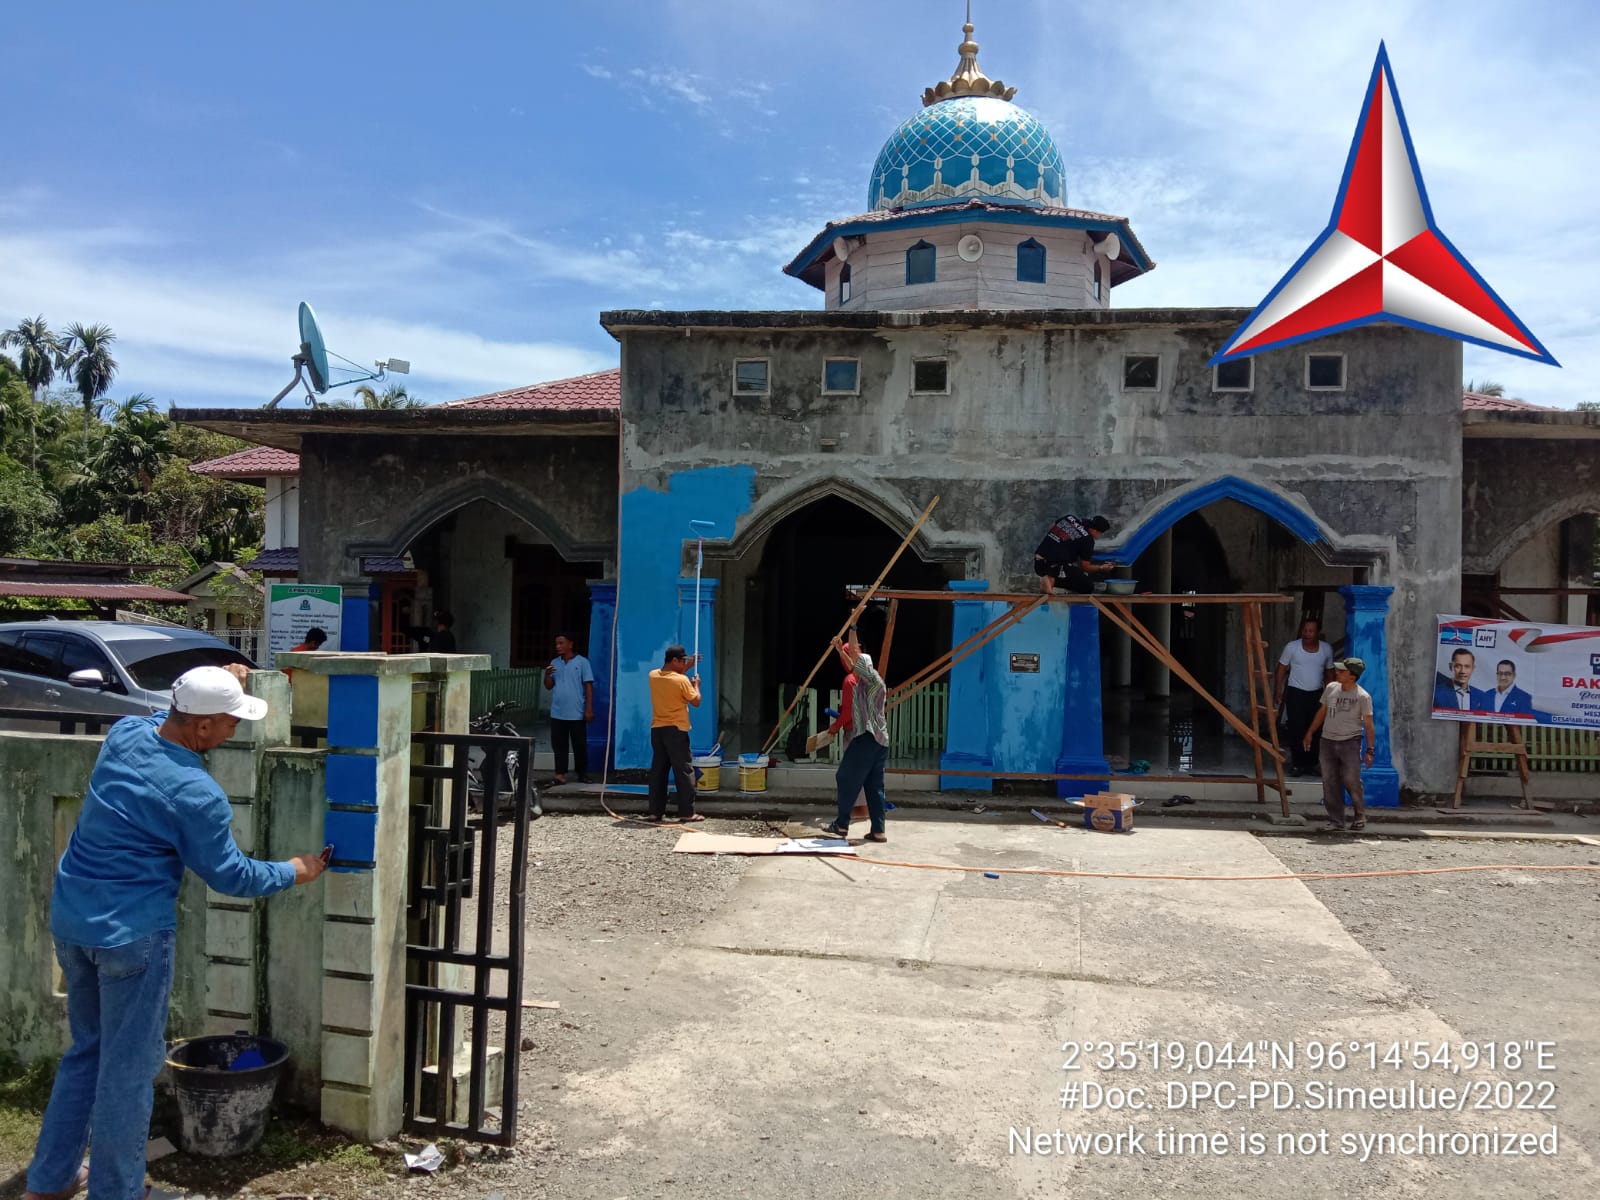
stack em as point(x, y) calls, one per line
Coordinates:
point(752, 772)
point(707, 772)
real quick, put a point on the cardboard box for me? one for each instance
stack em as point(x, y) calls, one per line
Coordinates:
point(1109, 812)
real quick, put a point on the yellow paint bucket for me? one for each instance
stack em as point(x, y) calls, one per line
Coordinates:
point(752, 772)
point(707, 772)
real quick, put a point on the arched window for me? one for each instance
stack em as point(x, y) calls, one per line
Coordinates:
point(844, 284)
point(1030, 262)
point(919, 264)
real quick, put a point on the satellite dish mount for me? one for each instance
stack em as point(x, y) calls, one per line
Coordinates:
point(312, 361)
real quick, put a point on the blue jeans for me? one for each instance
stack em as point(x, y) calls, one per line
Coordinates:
point(117, 1009)
point(860, 769)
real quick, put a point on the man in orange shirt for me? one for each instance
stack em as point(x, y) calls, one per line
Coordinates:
point(672, 690)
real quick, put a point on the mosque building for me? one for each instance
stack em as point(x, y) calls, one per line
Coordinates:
point(966, 347)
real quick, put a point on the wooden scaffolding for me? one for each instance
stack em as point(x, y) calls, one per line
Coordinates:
point(1260, 732)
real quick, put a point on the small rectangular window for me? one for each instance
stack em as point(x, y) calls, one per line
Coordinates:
point(1097, 292)
point(841, 376)
point(930, 376)
point(1141, 372)
point(1030, 262)
point(750, 377)
point(1236, 375)
point(1325, 372)
point(844, 284)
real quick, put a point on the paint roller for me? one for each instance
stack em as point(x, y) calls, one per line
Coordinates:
point(699, 529)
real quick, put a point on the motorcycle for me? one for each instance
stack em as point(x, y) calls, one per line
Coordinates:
point(494, 722)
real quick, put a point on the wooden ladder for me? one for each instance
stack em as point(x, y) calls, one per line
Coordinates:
point(1263, 719)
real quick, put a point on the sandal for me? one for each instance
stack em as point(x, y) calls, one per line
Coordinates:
point(1358, 826)
point(877, 837)
point(691, 819)
point(834, 831)
point(1330, 827)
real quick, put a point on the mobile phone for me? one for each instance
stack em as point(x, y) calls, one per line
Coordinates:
point(327, 854)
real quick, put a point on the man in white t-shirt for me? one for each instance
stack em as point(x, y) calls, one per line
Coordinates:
point(1304, 668)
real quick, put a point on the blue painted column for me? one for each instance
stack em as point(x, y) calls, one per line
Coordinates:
point(602, 616)
point(703, 720)
point(1366, 620)
point(966, 735)
point(1083, 750)
point(355, 609)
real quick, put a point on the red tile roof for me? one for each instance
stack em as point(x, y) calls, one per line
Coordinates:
point(1478, 402)
point(600, 390)
point(92, 591)
point(254, 463)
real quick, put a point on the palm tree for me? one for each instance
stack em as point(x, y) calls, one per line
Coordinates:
point(1486, 388)
point(137, 443)
point(89, 360)
point(41, 356)
point(393, 396)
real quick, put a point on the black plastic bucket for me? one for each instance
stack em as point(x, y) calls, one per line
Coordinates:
point(222, 1111)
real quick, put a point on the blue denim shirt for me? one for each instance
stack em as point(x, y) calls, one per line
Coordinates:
point(150, 812)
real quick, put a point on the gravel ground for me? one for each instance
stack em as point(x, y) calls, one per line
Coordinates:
point(1498, 955)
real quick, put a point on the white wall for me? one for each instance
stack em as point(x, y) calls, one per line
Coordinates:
point(480, 578)
point(878, 271)
point(282, 524)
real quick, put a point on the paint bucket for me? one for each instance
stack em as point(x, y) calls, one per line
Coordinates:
point(707, 772)
point(752, 772)
point(224, 1087)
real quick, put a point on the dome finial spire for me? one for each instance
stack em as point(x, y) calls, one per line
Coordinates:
point(969, 79)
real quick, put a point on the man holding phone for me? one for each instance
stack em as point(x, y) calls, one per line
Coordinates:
point(151, 811)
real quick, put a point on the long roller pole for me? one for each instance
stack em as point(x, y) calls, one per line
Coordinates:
point(855, 613)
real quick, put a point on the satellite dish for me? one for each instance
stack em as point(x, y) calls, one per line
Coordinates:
point(841, 249)
point(314, 348)
point(312, 360)
point(970, 248)
point(1110, 245)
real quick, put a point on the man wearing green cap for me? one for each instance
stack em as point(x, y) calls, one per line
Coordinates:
point(1344, 715)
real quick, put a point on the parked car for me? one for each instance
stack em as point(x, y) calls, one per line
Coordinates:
point(99, 667)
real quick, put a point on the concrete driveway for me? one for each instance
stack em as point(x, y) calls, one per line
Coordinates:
point(836, 1028)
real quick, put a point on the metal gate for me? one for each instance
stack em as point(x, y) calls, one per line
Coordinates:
point(464, 915)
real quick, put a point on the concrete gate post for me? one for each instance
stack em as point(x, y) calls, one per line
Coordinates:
point(602, 616)
point(705, 721)
point(234, 986)
point(966, 738)
point(1366, 619)
point(367, 819)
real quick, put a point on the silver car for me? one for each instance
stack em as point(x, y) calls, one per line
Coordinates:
point(97, 667)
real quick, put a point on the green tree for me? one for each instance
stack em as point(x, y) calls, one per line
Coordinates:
point(1486, 388)
point(88, 358)
point(27, 511)
point(138, 440)
point(393, 396)
point(40, 354)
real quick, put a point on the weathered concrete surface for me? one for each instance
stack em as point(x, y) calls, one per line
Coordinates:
point(1512, 488)
point(844, 1029)
point(373, 494)
point(1036, 422)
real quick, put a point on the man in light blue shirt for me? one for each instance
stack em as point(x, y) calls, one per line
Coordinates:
point(151, 810)
point(570, 681)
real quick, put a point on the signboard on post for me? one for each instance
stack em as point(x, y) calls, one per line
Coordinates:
point(294, 608)
point(1517, 673)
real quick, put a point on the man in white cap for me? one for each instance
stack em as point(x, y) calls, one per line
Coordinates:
point(151, 811)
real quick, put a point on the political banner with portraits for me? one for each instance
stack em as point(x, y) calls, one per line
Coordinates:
point(1517, 673)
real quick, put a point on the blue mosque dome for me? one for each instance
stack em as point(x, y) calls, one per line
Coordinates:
point(969, 147)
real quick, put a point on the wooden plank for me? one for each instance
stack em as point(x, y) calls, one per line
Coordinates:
point(969, 647)
point(888, 641)
point(855, 614)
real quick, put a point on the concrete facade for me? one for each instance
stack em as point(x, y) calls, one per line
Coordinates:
point(1036, 421)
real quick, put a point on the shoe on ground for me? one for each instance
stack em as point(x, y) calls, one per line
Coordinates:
point(1357, 826)
point(877, 837)
point(832, 830)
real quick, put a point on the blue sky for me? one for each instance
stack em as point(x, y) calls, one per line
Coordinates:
point(468, 185)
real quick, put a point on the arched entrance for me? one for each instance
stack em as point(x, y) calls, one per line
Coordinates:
point(1540, 573)
point(1224, 538)
point(785, 596)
